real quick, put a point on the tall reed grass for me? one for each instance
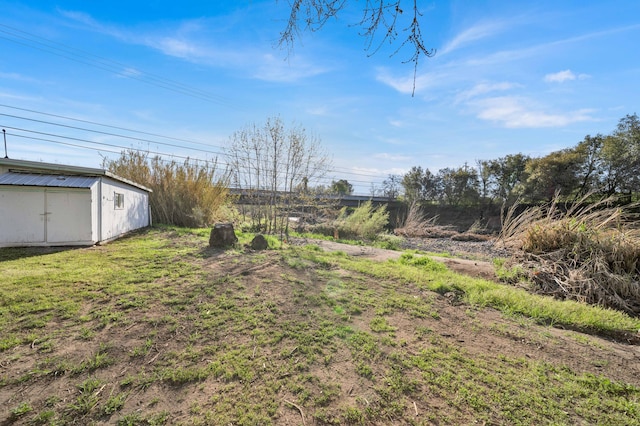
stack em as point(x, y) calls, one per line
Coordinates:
point(190, 194)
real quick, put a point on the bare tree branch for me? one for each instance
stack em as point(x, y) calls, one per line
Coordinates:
point(380, 25)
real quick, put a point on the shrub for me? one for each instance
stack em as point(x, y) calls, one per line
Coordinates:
point(365, 221)
point(388, 241)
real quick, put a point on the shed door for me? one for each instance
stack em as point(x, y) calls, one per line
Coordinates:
point(68, 216)
point(21, 217)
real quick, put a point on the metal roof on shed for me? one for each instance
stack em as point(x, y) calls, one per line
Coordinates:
point(59, 181)
point(23, 166)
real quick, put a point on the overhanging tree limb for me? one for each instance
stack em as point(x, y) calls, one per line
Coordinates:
point(380, 23)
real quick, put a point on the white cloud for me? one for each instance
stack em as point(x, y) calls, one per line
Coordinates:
point(131, 73)
point(472, 34)
point(484, 88)
point(392, 157)
point(562, 76)
point(177, 47)
point(177, 44)
point(515, 112)
point(19, 97)
point(272, 68)
point(195, 41)
point(17, 77)
point(405, 84)
point(83, 18)
point(321, 111)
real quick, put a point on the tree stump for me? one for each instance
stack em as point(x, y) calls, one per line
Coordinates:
point(222, 235)
point(259, 242)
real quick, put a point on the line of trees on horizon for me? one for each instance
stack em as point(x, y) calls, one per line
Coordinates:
point(603, 165)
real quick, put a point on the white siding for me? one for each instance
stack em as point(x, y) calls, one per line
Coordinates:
point(72, 206)
point(134, 213)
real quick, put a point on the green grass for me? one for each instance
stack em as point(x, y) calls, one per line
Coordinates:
point(36, 289)
point(206, 337)
point(512, 300)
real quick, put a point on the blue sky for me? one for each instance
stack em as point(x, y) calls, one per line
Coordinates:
point(508, 77)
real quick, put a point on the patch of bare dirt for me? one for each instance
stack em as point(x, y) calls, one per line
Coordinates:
point(474, 268)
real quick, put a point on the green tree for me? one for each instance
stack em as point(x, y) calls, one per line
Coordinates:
point(554, 173)
point(341, 187)
point(459, 186)
point(485, 181)
point(412, 184)
point(589, 153)
point(620, 156)
point(420, 185)
point(506, 173)
point(391, 186)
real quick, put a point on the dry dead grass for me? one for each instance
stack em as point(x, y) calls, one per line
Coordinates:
point(589, 253)
point(417, 225)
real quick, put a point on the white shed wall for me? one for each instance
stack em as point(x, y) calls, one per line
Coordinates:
point(134, 213)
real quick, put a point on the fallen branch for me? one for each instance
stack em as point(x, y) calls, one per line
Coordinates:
point(299, 409)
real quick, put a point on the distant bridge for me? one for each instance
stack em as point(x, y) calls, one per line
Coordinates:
point(260, 196)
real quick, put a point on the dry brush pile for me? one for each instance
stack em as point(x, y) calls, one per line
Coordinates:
point(415, 224)
point(588, 252)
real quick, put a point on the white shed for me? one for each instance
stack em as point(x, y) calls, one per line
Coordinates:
point(52, 205)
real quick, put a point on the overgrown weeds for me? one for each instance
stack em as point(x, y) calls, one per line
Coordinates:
point(417, 225)
point(587, 252)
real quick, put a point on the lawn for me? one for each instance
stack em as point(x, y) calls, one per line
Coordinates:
point(157, 328)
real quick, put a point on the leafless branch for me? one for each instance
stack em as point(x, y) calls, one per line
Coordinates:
point(379, 23)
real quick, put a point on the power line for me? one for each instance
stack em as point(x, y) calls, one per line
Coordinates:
point(90, 142)
point(120, 147)
point(109, 126)
point(33, 41)
point(111, 134)
point(338, 170)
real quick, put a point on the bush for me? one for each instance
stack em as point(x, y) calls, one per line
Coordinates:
point(388, 241)
point(365, 221)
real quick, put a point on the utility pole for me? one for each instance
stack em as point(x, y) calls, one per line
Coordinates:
point(4, 133)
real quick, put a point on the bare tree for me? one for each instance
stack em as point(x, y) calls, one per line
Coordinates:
point(391, 186)
point(382, 22)
point(273, 165)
